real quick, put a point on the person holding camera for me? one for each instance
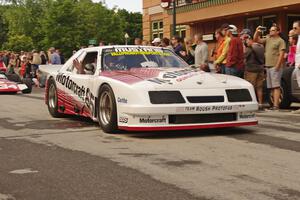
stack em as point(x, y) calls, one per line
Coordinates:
point(254, 68)
point(274, 59)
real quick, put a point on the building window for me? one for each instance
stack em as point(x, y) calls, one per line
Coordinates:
point(181, 31)
point(157, 29)
point(291, 18)
point(268, 21)
point(252, 23)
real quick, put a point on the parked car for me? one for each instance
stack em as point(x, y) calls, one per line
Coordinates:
point(290, 90)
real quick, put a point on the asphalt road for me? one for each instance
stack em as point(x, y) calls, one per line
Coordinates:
point(71, 158)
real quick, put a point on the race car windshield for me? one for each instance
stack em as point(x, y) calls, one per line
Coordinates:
point(126, 58)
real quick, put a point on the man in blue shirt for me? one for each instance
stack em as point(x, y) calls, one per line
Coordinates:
point(54, 58)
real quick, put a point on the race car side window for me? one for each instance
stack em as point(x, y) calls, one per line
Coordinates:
point(79, 59)
point(89, 63)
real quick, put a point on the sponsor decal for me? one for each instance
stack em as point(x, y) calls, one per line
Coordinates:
point(137, 51)
point(208, 108)
point(179, 76)
point(122, 100)
point(247, 115)
point(71, 85)
point(123, 120)
point(149, 120)
point(160, 81)
point(83, 93)
point(179, 73)
point(185, 77)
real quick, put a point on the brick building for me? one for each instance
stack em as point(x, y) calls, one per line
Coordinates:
point(205, 16)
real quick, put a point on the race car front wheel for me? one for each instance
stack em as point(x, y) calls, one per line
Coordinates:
point(52, 99)
point(107, 110)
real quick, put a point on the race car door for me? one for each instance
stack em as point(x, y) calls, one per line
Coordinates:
point(77, 89)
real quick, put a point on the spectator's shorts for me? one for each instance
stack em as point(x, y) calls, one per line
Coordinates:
point(273, 77)
point(255, 78)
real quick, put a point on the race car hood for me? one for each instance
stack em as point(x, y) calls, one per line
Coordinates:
point(170, 78)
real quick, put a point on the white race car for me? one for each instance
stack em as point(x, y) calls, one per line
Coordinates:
point(141, 88)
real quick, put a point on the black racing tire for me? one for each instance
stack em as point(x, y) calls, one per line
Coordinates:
point(107, 110)
point(52, 99)
point(284, 101)
point(28, 83)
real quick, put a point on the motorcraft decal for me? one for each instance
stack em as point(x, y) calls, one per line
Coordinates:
point(83, 93)
point(149, 120)
point(247, 115)
point(71, 85)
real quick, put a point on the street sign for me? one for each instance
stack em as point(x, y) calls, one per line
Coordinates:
point(92, 42)
point(165, 3)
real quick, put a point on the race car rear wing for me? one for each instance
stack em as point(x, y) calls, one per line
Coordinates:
point(49, 69)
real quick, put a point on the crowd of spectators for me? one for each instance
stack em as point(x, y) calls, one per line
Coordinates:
point(26, 64)
point(256, 57)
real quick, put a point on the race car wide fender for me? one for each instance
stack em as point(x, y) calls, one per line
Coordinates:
point(107, 118)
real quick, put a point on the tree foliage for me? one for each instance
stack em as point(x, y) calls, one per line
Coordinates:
point(64, 24)
point(19, 42)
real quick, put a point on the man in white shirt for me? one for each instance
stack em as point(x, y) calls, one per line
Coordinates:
point(201, 53)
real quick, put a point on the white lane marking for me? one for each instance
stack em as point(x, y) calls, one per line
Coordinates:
point(6, 197)
point(23, 171)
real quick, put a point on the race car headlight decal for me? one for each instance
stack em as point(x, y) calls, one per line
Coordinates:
point(165, 97)
point(238, 95)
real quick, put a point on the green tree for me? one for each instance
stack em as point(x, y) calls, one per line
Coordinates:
point(65, 24)
point(3, 28)
point(17, 43)
point(133, 24)
point(59, 26)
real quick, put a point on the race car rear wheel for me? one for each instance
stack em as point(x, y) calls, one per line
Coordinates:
point(28, 83)
point(107, 110)
point(53, 99)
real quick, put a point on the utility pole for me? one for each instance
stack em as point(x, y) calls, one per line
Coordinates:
point(165, 4)
point(174, 17)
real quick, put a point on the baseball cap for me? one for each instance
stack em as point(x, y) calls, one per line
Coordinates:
point(246, 31)
point(233, 29)
point(156, 40)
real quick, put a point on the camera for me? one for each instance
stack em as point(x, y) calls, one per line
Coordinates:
point(262, 28)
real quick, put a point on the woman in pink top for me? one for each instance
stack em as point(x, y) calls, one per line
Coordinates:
point(293, 38)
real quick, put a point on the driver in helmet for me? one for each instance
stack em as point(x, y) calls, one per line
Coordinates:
point(88, 68)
